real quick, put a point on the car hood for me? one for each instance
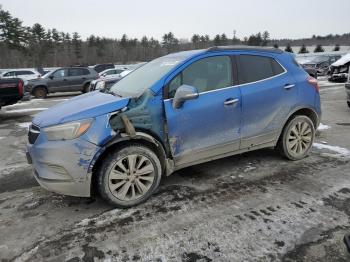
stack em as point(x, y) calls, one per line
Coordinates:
point(37, 81)
point(81, 107)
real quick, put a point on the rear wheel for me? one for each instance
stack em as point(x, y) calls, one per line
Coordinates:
point(129, 176)
point(40, 92)
point(297, 138)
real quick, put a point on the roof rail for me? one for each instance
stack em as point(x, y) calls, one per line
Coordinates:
point(244, 47)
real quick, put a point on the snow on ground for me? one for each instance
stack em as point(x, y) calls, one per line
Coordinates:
point(59, 100)
point(25, 125)
point(26, 110)
point(340, 151)
point(2, 138)
point(323, 127)
point(23, 103)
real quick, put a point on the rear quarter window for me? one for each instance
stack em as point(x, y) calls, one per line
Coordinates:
point(254, 68)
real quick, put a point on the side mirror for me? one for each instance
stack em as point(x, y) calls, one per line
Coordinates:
point(51, 77)
point(184, 93)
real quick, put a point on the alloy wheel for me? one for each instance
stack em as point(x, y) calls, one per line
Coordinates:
point(131, 177)
point(300, 138)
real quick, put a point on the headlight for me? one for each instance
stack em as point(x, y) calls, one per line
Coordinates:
point(100, 85)
point(67, 131)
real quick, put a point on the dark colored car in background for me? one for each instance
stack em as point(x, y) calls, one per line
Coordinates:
point(347, 89)
point(102, 67)
point(312, 72)
point(321, 63)
point(67, 79)
point(11, 91)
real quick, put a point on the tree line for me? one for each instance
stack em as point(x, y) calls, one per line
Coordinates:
point(35, 46)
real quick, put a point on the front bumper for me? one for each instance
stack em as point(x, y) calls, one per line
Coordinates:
point(62, 166)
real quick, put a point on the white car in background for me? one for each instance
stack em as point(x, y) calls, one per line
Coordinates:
point(24, 74)
point(112, 72)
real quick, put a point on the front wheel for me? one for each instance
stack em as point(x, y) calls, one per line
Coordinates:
point(297, 138)
point(40, 92)
point(86, 88)
point(129, 176)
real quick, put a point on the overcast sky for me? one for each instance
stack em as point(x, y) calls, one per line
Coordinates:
point(112, 18)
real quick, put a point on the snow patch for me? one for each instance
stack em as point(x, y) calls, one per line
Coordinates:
point(340, 151)
point(26, 110)
point(22, 103)
point(59, 100)
point(1, 137)
point(323, 127)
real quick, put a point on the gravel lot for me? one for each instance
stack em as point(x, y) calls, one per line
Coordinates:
point(252, 207)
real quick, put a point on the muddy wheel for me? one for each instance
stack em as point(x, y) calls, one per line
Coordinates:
point(40, 92)
point(297, 138)
point(86, 88)
point(129, 176)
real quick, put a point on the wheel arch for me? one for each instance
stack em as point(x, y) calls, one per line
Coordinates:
point(123, 140)
point(304, 111)
point(39, 86)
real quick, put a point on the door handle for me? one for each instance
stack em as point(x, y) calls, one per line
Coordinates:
point(231, 101)
point(288, 86)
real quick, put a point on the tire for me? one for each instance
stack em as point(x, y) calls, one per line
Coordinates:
point(86, 88)
point(297, 138)
point(40, 92)
point(348, 103)
point(124, 187)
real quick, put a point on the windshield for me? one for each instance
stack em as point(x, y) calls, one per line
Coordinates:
point(135, 83)
point(47, 74)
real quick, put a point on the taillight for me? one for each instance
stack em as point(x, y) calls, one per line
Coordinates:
point(20, 88)
point(312, 81)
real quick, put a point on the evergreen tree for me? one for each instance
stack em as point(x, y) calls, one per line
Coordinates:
point(12, 33)
point(265, 38)
point(217, 40)
point(195, 40)
point(275, 45)
point(224, 40)
point(303, 50)
point(288, 48)
point(76, 42)
point(170, 43)
point(319, 49)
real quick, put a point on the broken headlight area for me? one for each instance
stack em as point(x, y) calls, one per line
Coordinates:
point(68, 131)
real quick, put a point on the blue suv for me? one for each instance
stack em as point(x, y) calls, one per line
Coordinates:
point(176, 111)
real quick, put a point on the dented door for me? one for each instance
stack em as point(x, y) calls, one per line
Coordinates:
point(205, 127)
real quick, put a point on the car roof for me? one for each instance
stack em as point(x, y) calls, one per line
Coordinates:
point(245, 48)
point(190, 53)
point(16, 70)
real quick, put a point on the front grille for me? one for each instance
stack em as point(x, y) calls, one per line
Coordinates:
point(34, 132)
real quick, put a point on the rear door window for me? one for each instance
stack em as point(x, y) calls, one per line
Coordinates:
point(254, 68)
point(21, 73)
point(76, 72)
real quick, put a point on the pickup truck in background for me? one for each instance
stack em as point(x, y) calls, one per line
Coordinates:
point(11, 91)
